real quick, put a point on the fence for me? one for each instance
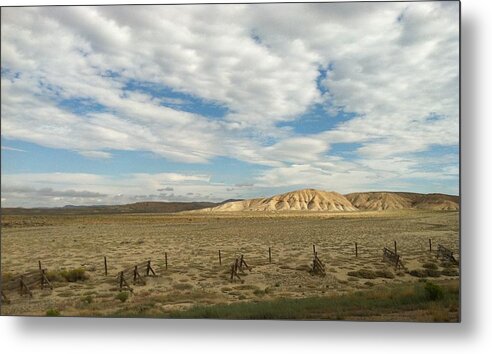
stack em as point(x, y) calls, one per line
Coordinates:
point(136, 274)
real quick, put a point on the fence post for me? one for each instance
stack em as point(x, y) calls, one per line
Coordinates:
point(105, 266)
point(42, 276)
point(356, 251)
point(269, 254)
point(430, 245)
point(39, 264)
point(395, 248)
point(165, 258)
point(220, 258)
point(314, 249)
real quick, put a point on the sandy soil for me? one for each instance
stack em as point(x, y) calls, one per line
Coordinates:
point(192, 241)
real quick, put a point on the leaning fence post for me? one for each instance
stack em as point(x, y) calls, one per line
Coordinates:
point(395, 247)
point(314, 249)
point(105, 266)
point(220, 258)
point(269, 254)
point(42, 276)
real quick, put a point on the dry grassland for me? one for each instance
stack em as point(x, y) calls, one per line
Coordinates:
point(192, 240)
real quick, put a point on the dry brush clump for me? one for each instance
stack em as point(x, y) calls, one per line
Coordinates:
point(370, 274)
point(71, 275)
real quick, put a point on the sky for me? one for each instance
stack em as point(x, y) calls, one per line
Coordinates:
point(120, 104)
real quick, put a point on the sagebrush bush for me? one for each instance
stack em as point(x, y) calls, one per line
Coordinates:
point(74, 275)
point(424, 273)
point(433, 292)
point(430, 266)
point(363, 273)
point(122, 296)
point(385, 274)
point(52, 313)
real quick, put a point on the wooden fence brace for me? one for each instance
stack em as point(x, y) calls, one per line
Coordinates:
point(234, 268)
point(136, 275)
point(45, 280)
point(242, 262)
point(149, 269)
point(445, 253)
point(269, 254)
point(220, 258)
point(318, 266)
point(356, 250)
point(24, 287)
point(5, 298)
point(105, 266)
point(392, 258)
point(123, 282)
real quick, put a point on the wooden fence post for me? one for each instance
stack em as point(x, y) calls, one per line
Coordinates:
point(105, 266)
point(39, 264)
point(430, 245)
point(165, 258)
point(314, 249)
point(269, 254)
point(356, 251)
point(395, 248)
point(220, 258)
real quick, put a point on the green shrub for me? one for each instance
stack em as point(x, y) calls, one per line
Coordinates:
point(52, 313)
point(54, 276)
point(430, 266)
point(122, 296)
point(363, 273)
point(385, 274)
point(433, 292)
point(74, 275)
point(259, 292)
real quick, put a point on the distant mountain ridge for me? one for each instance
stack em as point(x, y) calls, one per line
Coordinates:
point(403, 200)
point(139, 207)
point(301, 200)
point(318, 200)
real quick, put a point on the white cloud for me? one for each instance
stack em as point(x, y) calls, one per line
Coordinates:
point(9, 148)
point(95, 154)
point(394, 65)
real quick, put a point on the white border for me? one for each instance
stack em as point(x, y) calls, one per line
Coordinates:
point(72, 335)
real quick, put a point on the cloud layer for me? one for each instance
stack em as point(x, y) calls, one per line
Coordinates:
point(195, 83)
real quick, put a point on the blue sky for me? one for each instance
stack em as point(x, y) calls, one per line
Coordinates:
point(122, 107)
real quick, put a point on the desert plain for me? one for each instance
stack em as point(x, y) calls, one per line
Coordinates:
point(195, 279)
